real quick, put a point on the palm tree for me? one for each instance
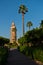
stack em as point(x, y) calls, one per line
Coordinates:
point(29, 24)
point(23, 10)
point(41, 24)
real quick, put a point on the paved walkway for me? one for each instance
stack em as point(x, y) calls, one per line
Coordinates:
point(17, 58)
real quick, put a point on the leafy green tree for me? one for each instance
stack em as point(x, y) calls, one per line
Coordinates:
point(23, 10)
point(21, 40)
point(3, 41)
point(29, 24)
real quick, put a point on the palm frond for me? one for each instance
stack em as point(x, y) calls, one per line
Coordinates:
point(23, 9)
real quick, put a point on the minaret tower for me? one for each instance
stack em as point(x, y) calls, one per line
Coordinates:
point(12, 33)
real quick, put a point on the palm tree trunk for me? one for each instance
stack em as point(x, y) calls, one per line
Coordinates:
point(23, 23)
point(29, 28)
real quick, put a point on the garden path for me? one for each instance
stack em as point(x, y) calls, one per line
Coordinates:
point(17, 58)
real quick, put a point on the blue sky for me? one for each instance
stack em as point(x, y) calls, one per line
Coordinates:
point(9, 13)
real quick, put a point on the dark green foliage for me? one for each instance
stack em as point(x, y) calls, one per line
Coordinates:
point(23, 49)
point(33, 52)
point(22, 40)
point(3, 55)
point(35, 37)
point(3, 41)
point(38, 53)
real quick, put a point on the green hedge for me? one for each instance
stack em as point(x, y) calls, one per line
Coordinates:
point(38, 54)
point(34, 52)
point(23, 49)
